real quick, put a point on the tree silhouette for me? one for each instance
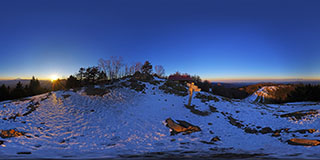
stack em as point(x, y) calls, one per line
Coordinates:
point(4, 93)
point(146, 68)
point(18, 92)
point(72, 82)
point(34, 87)
point(80, 74)
point(159, 70)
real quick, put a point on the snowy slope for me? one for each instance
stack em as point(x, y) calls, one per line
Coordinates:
point(261, 94)
point(124, 122)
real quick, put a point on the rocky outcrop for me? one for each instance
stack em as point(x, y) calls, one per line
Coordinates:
point(303, 142)
point(10, 133)
point(300, 114)
point(181, 126)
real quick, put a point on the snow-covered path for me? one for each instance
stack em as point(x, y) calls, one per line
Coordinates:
point(69, 124)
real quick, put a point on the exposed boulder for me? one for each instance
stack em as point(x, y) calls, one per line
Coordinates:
point(276, 134)
point(183, 126)
point(250, 130)
point(23, 152)
point(10, 133)
point(215, 139)
point(303, 142)
point(303, 131)
point(300, 114)
point(235, 122)
point(266, 130)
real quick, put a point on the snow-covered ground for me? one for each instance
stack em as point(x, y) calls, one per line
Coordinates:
point(124, 123)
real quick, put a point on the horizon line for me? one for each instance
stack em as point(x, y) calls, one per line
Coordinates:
point(262, 79)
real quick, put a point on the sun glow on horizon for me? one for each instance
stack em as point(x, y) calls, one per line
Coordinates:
point(54, 77)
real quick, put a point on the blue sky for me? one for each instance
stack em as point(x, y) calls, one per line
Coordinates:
point(227, 39)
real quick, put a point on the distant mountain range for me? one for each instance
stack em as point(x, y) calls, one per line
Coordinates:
point(243, 84)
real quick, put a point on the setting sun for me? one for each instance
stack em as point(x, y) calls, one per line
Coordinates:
point(54, 77)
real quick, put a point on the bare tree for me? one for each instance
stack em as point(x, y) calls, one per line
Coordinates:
point(131, 70)
point(111, 66)
point(126, 70)
point(137, 67)
point(159, 70)
point(102, 65)
point(116, 66)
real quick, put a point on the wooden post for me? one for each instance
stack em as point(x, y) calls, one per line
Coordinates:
point(192, 88)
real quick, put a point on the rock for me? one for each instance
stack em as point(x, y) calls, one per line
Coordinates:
point(303, 131)
point(38, 145)
point(28, 136)
point(213, 109)
point(66, 96)
point(286, 130)
point(196, 111)
point(234, 122)
point(183, 126)
point(23, 152)
point(300, 114)
point(303, 142)
point(10, 133)
point(215, 139)
point(276, 134)
point(62, 141)
point(266, 130)
point(249, 130)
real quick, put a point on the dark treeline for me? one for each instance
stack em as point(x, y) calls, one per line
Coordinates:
point(20, 91)
point(304, 93)
point(286, 93)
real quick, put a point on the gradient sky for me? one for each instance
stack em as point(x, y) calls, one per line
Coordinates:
point(226, 39)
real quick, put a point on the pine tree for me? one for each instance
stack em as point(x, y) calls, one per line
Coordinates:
point(34, 87)
point(19, 91)
point(4, 93)
point(72, 82)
